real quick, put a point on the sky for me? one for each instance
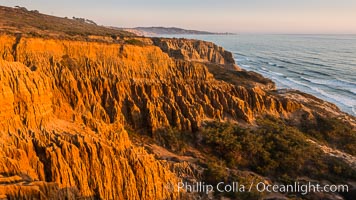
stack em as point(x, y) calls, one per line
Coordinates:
point(236, 16)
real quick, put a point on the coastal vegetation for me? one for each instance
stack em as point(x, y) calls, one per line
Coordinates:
point(271, 149)
point(332, 131)
point(21, 20)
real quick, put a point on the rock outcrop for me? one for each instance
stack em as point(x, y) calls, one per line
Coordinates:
point(136, 85)
point(196, 50)
point(64, 105)
point(46, 154)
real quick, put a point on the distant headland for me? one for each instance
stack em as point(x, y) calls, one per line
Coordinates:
point(154, 31)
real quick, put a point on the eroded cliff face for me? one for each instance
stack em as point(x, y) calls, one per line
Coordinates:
point(64, 105)
point(196, 50)
point(51, 148)
point(63, 161)
point(139, 86)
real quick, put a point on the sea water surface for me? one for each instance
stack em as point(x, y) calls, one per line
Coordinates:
point(321, 65)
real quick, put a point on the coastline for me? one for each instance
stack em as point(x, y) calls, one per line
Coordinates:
point(305, 73)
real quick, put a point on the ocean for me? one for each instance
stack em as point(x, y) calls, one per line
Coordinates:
point(321, 65)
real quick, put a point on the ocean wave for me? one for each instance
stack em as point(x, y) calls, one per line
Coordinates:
point(305, 83)
point(271, 72)
point(282, 83)
point(335, 82)
point(347, 81)
point(312, 57)
point(274, 64)
point(276, 73)
point(287, 61)
point(316, 64)
point(295, 72)
point(240, 59)
point(317, 72)
point(238, 53)
point(308, 80)
point(298, 82)
point(345, 86)
point(245, 66)
point(352, 90)
point(341, 99)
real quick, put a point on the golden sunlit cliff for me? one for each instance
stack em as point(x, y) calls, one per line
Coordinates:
point(69, 107)
point(64, 104)
point(49, 150)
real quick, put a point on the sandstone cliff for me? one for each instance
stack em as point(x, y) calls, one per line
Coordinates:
point(64, 103)
point(64, 106)
point(138, 85)
point(195, 50)
point(53, 146)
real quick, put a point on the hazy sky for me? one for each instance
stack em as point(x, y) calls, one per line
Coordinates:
point(240, 16)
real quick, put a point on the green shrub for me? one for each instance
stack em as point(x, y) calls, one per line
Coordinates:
point(134, 42)
point(335, 132)
point(172, 139)
point(272, 149)
point(216, 172)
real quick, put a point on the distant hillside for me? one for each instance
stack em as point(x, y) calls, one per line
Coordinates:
point(153, 31)
point(21, 20)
